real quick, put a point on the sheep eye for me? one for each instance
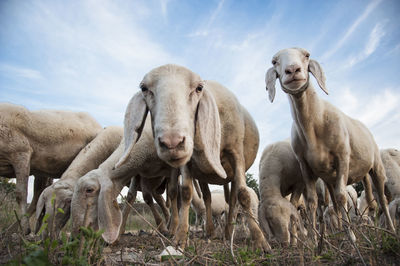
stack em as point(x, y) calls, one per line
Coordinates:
point(308, 55)
point(89, 190)
point(199, 88)
point(273, 62)
point(143, 87)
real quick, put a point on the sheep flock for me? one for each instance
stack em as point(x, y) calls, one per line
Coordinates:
point(182, 133)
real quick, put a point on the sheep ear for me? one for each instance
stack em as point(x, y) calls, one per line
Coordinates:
point(40, 210)
point(135, 117)
point(208, 133)
point(109, 214)
point(315, 68)
point(270, 79)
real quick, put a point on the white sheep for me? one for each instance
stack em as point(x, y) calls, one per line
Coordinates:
point(94, 202)
point(200, 128)
point(41, 143)
point(327, 143)
point(89, 158)
point(391, 162)
point(279, 176)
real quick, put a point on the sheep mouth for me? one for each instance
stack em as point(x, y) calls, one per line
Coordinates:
point(291, 81)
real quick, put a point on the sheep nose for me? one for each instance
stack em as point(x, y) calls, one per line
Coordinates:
point(171, 141)
point(292, 69)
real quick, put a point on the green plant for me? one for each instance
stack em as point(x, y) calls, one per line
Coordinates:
point(252, 183)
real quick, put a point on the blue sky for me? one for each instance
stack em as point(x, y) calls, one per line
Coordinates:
point(91, 55)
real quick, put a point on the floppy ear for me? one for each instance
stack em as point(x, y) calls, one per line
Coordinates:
point(315, 68)
point(40, 210)
point(135, 117)
point(109, 214)
point(208, 132)
point(270, 79)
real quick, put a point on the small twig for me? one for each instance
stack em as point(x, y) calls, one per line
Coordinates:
point(18, 221)
point(155, 229)
point(348, 230)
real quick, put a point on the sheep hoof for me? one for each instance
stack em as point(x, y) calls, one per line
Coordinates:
point(180, 239)
point(262, 245)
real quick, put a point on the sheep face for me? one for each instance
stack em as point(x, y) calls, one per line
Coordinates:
point(84, 202)
point(184, 118)
point(94, 204)
point(62, 192)
point(292, 66)
point(172, 96)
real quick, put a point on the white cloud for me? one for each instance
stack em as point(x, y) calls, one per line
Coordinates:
point(372, 44)
point(206, 28)
point(371, 6)
point(19, 72)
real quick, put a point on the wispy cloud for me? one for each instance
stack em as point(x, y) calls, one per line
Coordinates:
point(371, 6)
point(164, 8)
point(205, 29)
point(19, 72)
point(372, 44)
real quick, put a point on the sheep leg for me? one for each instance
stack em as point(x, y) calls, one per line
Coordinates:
point(161, 202)
point(210, 232)
point(187, 190)
point(40, 183)
point(231, 213)
point(21, 167)
point(148, 199)
point(311, 196)
point(245, 201)
point(333, 226)
point(378, 176)
point(368, 194)
point(130, 200)
point(173, 197)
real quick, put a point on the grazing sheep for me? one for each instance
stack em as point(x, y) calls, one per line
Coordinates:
point(327, 143)
point(94, 202)
point(391, 162)
point(89, 158)
point(41, 143)
point(201, 128)
point(279, 176)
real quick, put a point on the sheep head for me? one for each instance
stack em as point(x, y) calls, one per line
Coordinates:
point(53, 199)
point(184, 117)
point(291, 66)
point(94, 204)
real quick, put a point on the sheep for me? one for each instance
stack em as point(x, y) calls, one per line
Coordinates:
point(94, 202)
point(391, 162)
point(200, 128)
point(88, 158)
point(280, 175)
point(41, 143)
point(327, 143)
point(255, 202)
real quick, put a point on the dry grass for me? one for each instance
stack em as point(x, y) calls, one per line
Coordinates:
point(374, 246)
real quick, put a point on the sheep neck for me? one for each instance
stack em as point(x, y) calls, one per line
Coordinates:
point(306, 112)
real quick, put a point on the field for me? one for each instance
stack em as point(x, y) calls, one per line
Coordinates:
point(141, 244)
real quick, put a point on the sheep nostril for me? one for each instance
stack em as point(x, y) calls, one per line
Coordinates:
point(297, 70)
point(288, 72)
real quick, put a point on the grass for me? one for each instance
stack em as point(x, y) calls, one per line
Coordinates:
point(374, 246)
